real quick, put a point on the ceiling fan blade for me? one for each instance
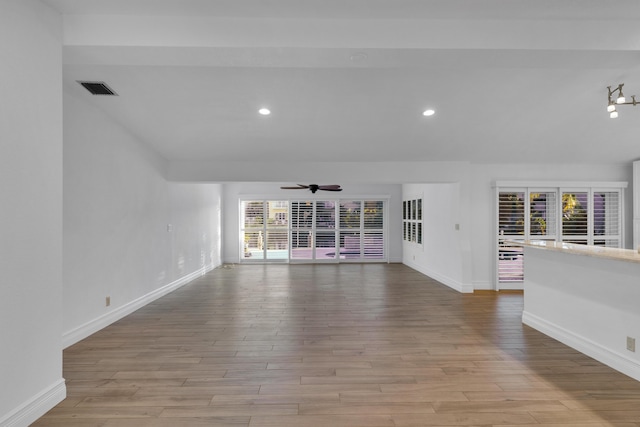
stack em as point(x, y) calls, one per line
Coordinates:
point(315, 187)
point(299, 187)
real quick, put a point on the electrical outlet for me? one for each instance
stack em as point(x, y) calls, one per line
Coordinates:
point(107, 301)
point(631, 344)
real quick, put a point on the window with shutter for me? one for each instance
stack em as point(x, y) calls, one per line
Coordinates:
point(350, 229)
point(511, 224)
point(542, 215)
point(575, 217)
point(578, 215)
point(606, 218)
point(412, 221)
point(302, 230)
point(253, 229)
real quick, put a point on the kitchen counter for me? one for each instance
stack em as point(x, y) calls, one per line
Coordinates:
point(585, 250)
point(587, 297)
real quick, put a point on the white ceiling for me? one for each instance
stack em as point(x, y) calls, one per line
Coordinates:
point(511, 80)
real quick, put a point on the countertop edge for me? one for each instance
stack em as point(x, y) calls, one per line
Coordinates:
point(627, 255)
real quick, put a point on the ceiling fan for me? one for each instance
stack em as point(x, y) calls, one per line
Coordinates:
point(314, 187)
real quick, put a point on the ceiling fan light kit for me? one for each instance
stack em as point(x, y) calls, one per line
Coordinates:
point(314, 187)
point(619, 100)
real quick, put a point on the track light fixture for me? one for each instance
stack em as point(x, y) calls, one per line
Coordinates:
point(619, 100)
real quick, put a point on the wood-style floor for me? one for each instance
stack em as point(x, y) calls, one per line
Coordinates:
point(335, 346)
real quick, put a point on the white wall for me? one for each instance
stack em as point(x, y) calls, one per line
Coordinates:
point(318, 172)
point(128, 233)
point(196, 227)
point(30, 211)
point(234, 191)
point(443, 254)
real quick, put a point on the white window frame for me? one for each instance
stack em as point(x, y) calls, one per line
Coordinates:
point(313, 230)
point(362, 231)
point(591, 237)
point(265, 229)
point(412, 221)
point(559, 188)
point(290, 229)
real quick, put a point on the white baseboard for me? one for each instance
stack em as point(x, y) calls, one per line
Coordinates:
point(36, 407)
point(515, 286)
point(81, 332)
point(592, 349)
point(483, 286)
point(454, 284)
point(231, 259)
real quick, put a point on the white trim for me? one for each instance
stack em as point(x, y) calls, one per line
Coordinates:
point(556, 184)
point(307, 195)
point(610, 358)
point(37, 406)
point(510, 286)
point(81, 332)
point(484, 285)
point(447, 281)
point(408, 222)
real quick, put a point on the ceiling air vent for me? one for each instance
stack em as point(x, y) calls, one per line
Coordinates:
point(98, 88)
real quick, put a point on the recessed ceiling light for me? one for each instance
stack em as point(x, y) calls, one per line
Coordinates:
point(264, 111)
point(429, 112)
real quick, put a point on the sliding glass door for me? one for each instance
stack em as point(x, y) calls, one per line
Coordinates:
point(265, 230)
point(313, 230)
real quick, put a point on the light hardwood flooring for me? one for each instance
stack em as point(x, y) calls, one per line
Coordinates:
point(338, 346)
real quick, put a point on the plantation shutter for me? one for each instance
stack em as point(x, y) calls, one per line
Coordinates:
point(579, 215)
point(350, 235)
point(325, 232)
point(253, 229)
point(511, 224)
point(542, 215)
point(302, 229)
point(373, 222)
point(607, 218)
point(575, 217)
point(313, 230)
